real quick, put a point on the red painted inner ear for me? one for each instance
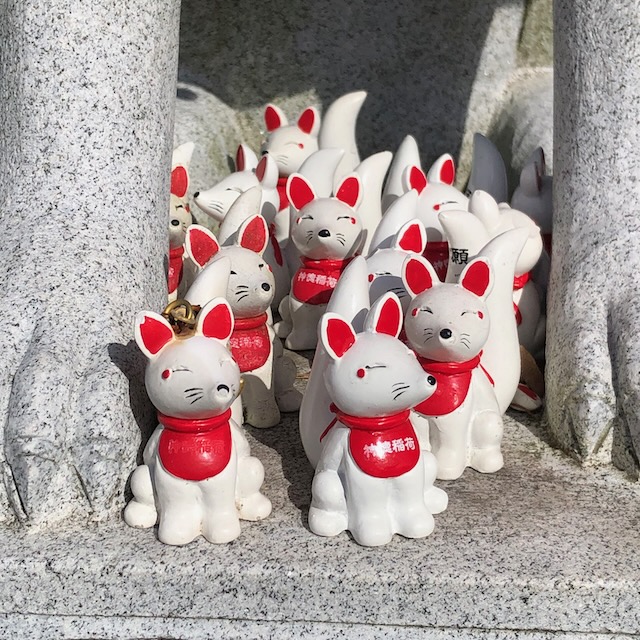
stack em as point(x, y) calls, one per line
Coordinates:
point(417, 179)
point(218, 323)
point(179, 182)
point(299, 191)
point(448, 172)
point(254, 235)
point(240, 161)
point(202, 246)
point(261, 168)
point(340, 336)
point(271, 118)
point(390, 318)
point(418, 277)
point(307, 120)
point(412, 239)
point(349, 191)
point(155, 334)
point(476, 278)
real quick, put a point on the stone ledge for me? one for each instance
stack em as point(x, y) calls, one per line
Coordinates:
point(542, 547)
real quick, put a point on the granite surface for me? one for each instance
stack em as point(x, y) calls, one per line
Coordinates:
point(543, 548)
point(436, 70)
point(88, 91)
point(593, 323)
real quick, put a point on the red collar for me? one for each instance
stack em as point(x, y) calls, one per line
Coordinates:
point(520, 281)
point(177, 252)
point(244, 324)
point(378, 423)
point(184, 425)
point(449, 368)
point(325, 265)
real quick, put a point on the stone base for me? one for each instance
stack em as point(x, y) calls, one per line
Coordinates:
point(543, 548)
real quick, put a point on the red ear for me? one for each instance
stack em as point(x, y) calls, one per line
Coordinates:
point(307, 120)
point(476, 277)
point(179, 181)
point(418, 276)
point(240, 159)
point(254, 234)
point(201, 244)
point(215, 320)
point(349, 190)
point(412, 238)
point(388, 315)
point(153, 332)
point(448, 171)
point(417, 179)
point(261, 168)
point(272, 118)
point(299, 191)
point(337, 335)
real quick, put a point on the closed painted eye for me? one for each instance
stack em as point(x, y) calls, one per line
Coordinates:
point(478, 313)
point(233, 273)
point(223, 387)
point(437, 206)
point(362, 372)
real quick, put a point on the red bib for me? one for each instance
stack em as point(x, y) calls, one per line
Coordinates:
point(384, 447)
point(175, 268)
point(315, 281)
point(437, 253)
point(282, 192)
point(195, 449)
point(453, 378)
point(250, 343)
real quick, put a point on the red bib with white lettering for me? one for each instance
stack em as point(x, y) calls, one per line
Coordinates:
point(175, 268)
point(384, 447)
point(250, 343)
point(453, 378)
point(437, 253)
point(315, 281)
point(195, 449)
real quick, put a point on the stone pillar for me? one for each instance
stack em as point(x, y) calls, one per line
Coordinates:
point(87, 101)
point(593, 343)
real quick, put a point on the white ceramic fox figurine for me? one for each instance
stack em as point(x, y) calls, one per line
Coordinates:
point(372, 478)
point(289, 144)
point(436, 194)
point(198, 477)
point(467, 340)
point(179, 220)
point(250, 291)
point(327, 233)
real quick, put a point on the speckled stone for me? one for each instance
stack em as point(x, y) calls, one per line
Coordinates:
point(87, 100)
point(542, 549)
point(593, 322)
point(436, 70)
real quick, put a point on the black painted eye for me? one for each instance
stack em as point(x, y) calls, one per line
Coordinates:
point(431, 380)
point(223, 387)
point(175, 223)
point(233, 273)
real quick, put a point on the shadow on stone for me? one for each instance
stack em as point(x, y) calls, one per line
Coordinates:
point(131, 362)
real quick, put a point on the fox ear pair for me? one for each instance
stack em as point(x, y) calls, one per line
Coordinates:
point(418, 275)
point(301, 193)
point(153, 332)
point(308, 122)
point(338, 336)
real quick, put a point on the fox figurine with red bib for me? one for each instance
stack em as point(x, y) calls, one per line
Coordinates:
point(372, 478)
point(198, 477)
point(328, 233)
